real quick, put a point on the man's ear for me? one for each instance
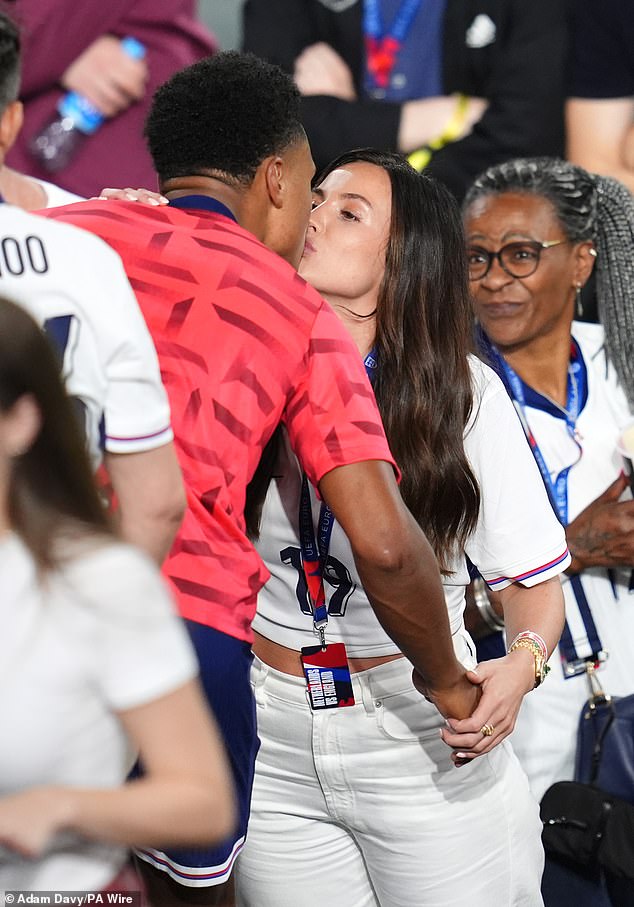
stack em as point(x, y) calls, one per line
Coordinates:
point(10, 125)
point(275, 180)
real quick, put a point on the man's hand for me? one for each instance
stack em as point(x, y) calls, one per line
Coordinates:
point(603, 534)
point(107, 76)
point(424, 119)
point(320, 70)
point(457, 701)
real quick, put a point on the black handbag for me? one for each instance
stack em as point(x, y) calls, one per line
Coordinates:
point(590, 821)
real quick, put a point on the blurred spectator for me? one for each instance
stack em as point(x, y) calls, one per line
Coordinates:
point(95, 662)
point(471, 85)
point(69, 46)
point(600, 109)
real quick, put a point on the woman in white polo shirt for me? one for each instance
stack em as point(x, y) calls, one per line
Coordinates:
point(535, 230)
point(379, 803)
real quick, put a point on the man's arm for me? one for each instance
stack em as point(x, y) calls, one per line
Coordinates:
point(400, 576)
point(524, 87)
point(151, 497)
point(598, 133)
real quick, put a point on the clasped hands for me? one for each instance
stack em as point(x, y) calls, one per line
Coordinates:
point(486, 699)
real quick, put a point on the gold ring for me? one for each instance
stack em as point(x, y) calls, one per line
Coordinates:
point(487, 730)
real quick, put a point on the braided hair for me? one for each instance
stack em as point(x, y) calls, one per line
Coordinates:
point(589, 207)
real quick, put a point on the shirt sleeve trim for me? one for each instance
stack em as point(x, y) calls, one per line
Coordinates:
point(554, 566)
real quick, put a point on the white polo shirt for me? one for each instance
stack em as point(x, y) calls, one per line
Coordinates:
point(517, 537)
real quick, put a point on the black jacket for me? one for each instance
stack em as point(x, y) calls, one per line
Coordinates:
point(521, 74)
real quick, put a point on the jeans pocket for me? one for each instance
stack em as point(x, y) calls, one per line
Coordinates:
point(407, 716)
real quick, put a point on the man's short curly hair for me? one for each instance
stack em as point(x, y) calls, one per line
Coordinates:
point(9, 61)
point(225, 113)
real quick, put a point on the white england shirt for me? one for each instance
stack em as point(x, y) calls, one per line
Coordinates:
point(517, 537)
point(75, 287)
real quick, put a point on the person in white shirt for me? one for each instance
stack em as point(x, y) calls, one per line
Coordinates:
point(95, 662)
point(379, 802)
point(536, 228)
point(77, 289)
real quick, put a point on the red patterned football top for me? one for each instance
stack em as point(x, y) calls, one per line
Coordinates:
point(243, 342)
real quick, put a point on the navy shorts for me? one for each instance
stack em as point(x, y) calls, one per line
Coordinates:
point(225, 665)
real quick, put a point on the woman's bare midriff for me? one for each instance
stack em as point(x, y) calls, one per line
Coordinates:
point(280, 658)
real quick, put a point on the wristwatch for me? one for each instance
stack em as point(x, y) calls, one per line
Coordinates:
point(541, 667)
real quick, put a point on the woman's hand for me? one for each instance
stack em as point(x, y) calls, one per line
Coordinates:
point(29, 820)
point(504, 682)
point(603, 534)
point(145, 196)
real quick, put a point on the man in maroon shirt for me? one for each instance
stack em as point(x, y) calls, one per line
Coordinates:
point(70, 46)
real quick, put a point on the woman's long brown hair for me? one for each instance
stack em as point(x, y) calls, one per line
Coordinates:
point(51, 485)
point(424, 333)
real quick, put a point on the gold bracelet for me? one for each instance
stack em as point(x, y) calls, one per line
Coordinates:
point(541, 668)
point(453, 129)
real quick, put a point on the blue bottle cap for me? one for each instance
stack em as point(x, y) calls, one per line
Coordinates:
point(133, 48)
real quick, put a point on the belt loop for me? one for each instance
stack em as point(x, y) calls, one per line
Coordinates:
point(259, 672)
point(367, 697)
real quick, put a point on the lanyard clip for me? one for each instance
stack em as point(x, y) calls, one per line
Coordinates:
point(321, 629)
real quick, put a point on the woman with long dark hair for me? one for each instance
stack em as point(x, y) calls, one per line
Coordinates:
point(95, 663)
point(363, 796)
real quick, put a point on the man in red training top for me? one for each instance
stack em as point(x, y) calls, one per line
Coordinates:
point(244, 344)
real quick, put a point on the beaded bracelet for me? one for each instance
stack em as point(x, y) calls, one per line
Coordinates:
point(535, 638)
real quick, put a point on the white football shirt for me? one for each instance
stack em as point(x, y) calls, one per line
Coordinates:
point(75, 287)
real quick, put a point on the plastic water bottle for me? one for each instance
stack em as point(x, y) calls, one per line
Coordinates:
point(74, 119)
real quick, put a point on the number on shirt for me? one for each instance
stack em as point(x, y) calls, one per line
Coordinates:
point(63, 333)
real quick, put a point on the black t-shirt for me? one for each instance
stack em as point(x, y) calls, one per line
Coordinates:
point(602, 53)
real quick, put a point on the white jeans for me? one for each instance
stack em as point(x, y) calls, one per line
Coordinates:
point(362, 806)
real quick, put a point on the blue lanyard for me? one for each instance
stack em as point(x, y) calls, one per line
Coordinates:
point(400, 27)
point(315, 551)
point(383, 45)
point(557, 491)
point(202, 203)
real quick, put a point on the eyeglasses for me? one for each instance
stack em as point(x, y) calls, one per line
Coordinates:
point(518, 259)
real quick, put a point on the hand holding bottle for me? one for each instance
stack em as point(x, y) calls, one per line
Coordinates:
point(107, 75)
point(107, 78)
